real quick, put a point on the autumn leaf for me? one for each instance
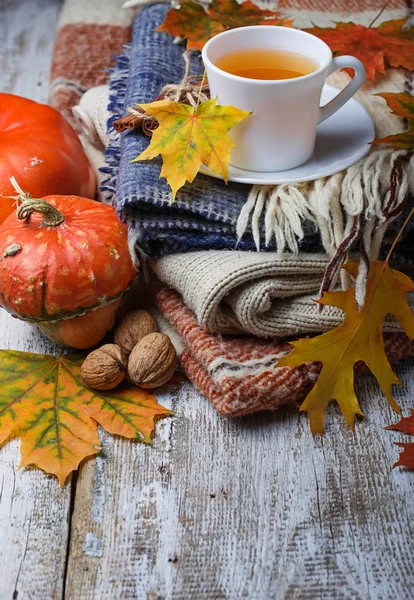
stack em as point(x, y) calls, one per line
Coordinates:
point(127, 410)
point(197, 25)
point(405, 425)
point(192, 22)
point(390, 44)
point(232, 14)
point(401, 104)
point(44, 402)
point(189, 137)
point(358, 338)
point(406, 458)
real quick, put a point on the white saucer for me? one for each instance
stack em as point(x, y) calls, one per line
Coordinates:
point(341, 141)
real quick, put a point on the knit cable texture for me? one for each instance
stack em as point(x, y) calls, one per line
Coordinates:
point(240, 376)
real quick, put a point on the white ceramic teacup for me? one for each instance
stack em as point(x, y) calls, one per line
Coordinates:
point(280, 134)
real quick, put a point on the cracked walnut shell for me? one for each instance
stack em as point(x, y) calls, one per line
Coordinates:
point(152, 362)
point(104, 369)
point(133, 327)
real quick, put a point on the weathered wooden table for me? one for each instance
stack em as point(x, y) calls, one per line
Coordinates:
point(215, 509)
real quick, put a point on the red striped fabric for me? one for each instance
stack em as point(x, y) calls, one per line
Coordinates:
point(340, 6)
point(237, 374)
point(82, 54)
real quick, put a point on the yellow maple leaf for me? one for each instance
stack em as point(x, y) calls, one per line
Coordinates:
point(44, 401)
point(189, 137)
point(358, 338)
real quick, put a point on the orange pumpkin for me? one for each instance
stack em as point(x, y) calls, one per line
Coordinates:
point(64, 266)
point(41, 150)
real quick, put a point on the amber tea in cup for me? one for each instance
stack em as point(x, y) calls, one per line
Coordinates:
point(266, 63)
point(277, 74)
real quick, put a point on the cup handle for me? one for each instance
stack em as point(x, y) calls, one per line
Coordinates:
point(346, 94)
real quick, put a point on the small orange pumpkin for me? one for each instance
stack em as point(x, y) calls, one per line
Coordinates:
point(65, 265)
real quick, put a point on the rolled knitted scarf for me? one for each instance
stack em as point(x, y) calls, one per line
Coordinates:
point(238, 375)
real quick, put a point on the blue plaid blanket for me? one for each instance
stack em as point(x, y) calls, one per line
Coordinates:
point(205, 212)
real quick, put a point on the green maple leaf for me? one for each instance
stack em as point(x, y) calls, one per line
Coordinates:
point(44, 402)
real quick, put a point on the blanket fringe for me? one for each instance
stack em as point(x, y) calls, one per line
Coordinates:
point(119, 78)
point(355, 206)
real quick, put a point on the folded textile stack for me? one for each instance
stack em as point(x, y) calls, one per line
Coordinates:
point(236, 374)
point(204, 246)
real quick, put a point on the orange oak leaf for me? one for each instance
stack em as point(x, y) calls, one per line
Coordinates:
point(232, 14)
point(401, 104)
point(406, 458)
point(390, 44)
point(44, 402)
point(405, 425)
point(358, 338)
point(188, 137)
point(192, 22)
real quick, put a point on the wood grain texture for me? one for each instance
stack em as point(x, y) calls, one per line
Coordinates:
point(34, 511)
point(247, 508)
point(217, 509)
point(27, 30)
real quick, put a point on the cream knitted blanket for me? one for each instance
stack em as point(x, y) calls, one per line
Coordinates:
point(264, 294)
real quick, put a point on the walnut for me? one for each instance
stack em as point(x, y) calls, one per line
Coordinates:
point(104, 369)
point(152, 361)
point(133, 328)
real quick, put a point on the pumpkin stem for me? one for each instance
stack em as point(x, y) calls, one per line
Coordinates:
point(51, 216)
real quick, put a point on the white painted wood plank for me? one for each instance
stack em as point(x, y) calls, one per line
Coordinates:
point(27, 31)
point(247, 508)
point(34, 511)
